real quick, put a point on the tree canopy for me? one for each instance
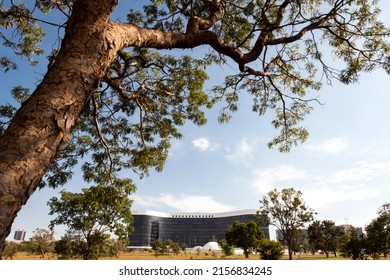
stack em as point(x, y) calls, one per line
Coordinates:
point(378, 233)
point(42, 242)
point(114, 96)
point(94, 215)
point(247, 236)
point(286, 210)
point(270, 250)
point(325, 236)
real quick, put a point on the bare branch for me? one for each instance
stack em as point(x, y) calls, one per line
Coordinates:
point(302, 32)
point(141, 122)
point(101, 137)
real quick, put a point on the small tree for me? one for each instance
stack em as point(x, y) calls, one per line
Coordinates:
point(175, 248)
point(183, 247)
point(94, 214)
point(10, 250)
point(166, 246)
point(244, 235)
point(72, 246)
point(68, 247)
point(157, 247)
point(287, 211)
point(42, 242)
point(270, 250)
point(227, 249)
point(354, 245)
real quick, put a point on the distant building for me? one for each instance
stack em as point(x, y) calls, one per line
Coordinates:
point(193, 229)
point(19, 235)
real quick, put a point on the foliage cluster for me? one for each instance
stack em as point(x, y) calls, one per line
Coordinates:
point(375, 243)
point(146, 94)
point(70, 246)
point(325, 236)
point(167, 246)
point(249, 237)
point(10, 250)
point(91, 217)
point(227, 249)
point(244, 235)
point(42, 243)
point(270, 250)
point(287, 211)
point(73, 246)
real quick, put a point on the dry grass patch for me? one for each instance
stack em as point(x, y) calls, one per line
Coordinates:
point(144, 255)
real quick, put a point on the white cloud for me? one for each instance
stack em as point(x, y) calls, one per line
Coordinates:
point(204, 144)
point(331, 146)
point(270, 178)
point(360, 171)
point(243, 152)
point(201, 144)
point(182, 203)
point(320, 197)
point(319, 190)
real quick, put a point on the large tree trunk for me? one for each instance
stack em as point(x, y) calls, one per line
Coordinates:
point(32, 140)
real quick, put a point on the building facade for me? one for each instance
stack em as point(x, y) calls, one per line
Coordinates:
point(19, 235)
point(193, 229)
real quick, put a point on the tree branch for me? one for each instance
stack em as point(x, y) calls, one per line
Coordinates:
point(302, 32)
point(101, 137)
point(197, 34)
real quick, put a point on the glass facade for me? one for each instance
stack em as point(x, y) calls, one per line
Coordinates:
point(19, 235)
point(193, 229)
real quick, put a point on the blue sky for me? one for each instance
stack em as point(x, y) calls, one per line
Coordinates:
point(343, 169)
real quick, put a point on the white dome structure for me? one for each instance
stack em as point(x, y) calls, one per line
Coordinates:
point(213, 246)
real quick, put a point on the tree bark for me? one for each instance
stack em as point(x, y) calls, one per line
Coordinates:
point(44, 122)
point(289, 246)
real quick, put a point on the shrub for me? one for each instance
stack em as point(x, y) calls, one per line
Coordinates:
point(270, 250)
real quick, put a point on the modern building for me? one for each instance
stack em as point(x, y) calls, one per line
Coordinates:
point(19, 235)
point(193, 229)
